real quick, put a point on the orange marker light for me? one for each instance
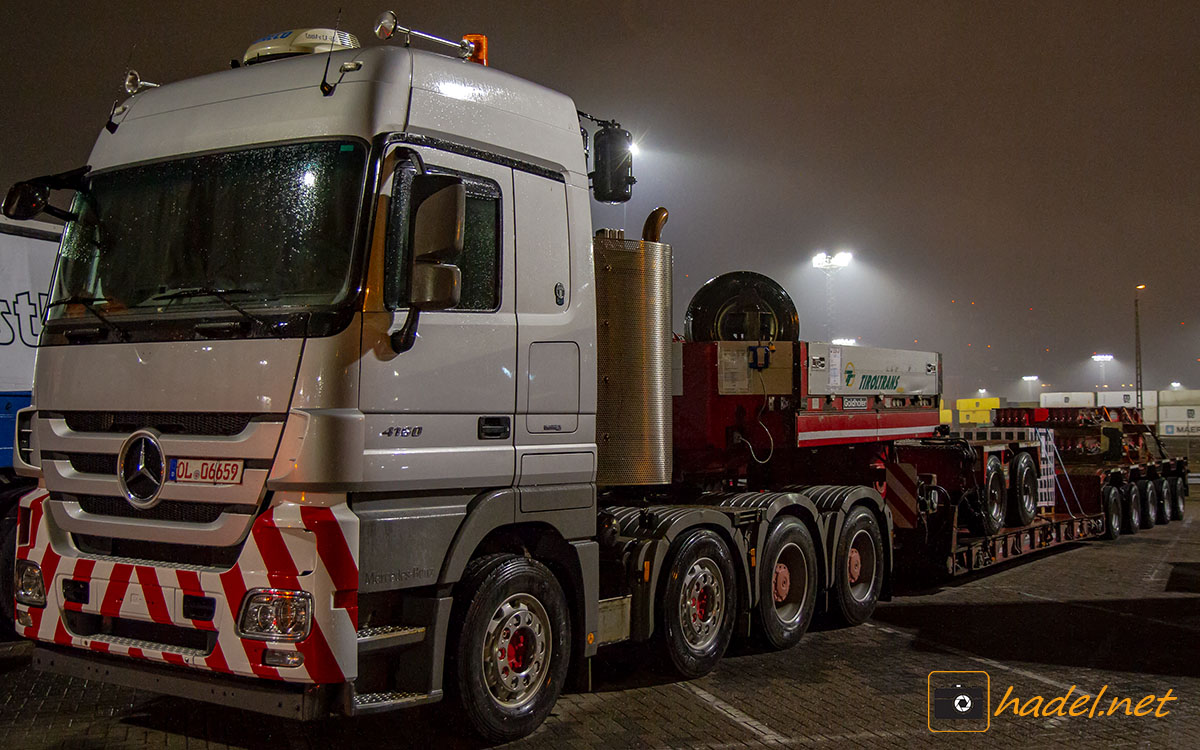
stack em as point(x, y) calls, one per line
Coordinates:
point(480, 53)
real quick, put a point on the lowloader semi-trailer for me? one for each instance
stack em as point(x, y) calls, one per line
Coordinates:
point(341, 407)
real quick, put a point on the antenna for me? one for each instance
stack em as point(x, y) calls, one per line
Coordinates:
point(327, 88)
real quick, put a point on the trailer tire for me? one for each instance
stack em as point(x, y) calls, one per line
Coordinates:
point(699, 603)
point(787, 590)
point(990, 513)
point(8, 554)
point(859, 553)
point(1111, 500)
point(1131, 512)
point(1023, 491)
point(1178, 493)
point(514, 608)
point(1166, 502)
point(1149, 502)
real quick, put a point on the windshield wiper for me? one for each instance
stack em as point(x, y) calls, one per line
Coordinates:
point(219, 294)
point(89, 304)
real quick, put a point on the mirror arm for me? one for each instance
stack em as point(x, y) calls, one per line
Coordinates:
point(60, 213)
point(403, 339)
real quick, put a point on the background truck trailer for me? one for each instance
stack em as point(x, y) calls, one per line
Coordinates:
point(388, 422)
point(27, 251)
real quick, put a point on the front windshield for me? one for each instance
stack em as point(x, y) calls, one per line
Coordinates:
point(273, 226)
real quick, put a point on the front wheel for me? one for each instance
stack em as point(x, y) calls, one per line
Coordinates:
point(1166, 503)
point(1022, 502)
point(990, 514)
point(1132, 510)
point(513, 646)
point(1178, 493)
point(1149, 502)
point(1111, 498)
point(859, 567)
point(787, 587)
point(698, 603)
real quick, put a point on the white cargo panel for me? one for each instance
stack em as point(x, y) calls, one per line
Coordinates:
point(1072, 398)
point(27, 252)
point(1127, 398)
point(1179, 413)
point(1179, 429)
point(838, 370)
point(1179, 398)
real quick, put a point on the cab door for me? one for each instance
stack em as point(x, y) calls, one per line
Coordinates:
point(440, 415)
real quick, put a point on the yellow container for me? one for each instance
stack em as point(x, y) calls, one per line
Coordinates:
point(947, 416)
point(974, 416)
point(974, 404)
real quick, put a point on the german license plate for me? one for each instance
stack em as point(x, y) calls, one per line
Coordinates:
point(205, 471)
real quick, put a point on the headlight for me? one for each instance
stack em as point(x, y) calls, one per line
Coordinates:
point(276, 615)
point(28, 584)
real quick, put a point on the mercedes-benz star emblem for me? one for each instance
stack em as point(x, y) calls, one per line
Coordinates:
point(141, 469)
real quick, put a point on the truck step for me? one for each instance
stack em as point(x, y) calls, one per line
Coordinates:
point(388, 636)
point(369, 703)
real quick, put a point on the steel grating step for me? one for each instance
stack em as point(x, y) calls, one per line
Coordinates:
point(367, 703)
point(388, 636)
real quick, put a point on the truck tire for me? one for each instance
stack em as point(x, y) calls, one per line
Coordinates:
point(8, 554)
point(787, 584)
point(990, 515)
point(699, 603)
point(859, 564)
point(1023, 490)
point(1166, 502)
point(512, 609)
point(1149, 502)
point(1178, 493)
point(1110, 498)
point(1131, 511)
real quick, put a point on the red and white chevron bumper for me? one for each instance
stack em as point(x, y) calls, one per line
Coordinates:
point(295, 545)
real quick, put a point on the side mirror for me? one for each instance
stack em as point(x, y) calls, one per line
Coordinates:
point(26, 200)
point(613, 180)
point(439, 206)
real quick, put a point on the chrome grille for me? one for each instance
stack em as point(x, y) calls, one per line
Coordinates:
point(167, 510)
point(166, 422)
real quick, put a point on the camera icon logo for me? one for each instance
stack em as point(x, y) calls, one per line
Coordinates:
point(959, 701)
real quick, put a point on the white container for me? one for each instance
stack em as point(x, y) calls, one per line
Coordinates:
point(1179, 429)
point(1178, 398)
point(1179, 413)
point(1127, 398)
point(1073, 398)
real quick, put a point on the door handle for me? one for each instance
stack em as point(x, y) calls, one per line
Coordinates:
point(495, 428)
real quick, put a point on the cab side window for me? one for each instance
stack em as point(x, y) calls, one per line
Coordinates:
point(480, 259)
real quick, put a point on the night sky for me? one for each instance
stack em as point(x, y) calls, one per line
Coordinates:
point(1004, 173)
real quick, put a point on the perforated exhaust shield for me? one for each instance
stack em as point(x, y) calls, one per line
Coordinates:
point(633, 421)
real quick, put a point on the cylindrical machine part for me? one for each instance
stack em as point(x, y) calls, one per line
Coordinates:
point(633, 420)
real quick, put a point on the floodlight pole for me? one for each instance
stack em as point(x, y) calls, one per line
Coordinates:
point(1137, 348)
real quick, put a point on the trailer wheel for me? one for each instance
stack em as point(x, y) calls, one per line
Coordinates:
point(1166, 502)
point(1022, 501)
point(787, 584)
point(1178, 493)
point(1149, 502)
point(510, 659)
point(1111, 498)
point(859, 564)
point(1131, 512)
point(991, 504)
point(8, 553)
point(698, 603)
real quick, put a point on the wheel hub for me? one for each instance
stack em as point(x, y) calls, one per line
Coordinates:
point(781, 583)
point(517, 650)
point(854, 565)
point(701, 606)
